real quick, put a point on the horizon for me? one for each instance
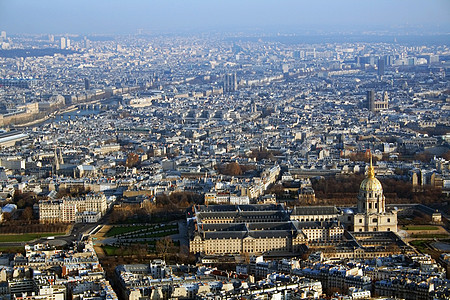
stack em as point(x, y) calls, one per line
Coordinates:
point(113, 17)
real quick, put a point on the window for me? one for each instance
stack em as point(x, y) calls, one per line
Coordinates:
point(370, 205)
point(360, 220)
point(376, 205)
point(374, 220)
point(389, 220)
point(360, 230)
point(388, 229)
point(374, 229)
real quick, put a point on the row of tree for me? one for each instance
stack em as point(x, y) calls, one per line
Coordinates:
point(344, 189)
point(234, 169)
point(164, 207)
point(14, 226)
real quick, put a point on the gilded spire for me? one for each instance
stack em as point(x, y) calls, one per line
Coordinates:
point(371, 171)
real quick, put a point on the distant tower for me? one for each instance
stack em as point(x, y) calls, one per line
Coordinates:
point(379, 105)
point(3, 35)
point(61, 160)
point(86, 84)
point(253, 108)
point(67, 43)
point(371, 100)
point(58, 160)
point(56, 165)
point(385, 101)
point(87, 43)
point(63, 43)
point(381, 67)
point(230, 83)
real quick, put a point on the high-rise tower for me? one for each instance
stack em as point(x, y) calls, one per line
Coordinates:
point(381, 66)
point(63, 43)
point(371, 100)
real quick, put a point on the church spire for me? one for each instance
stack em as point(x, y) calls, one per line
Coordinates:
point(56, 162)
point(371, 171)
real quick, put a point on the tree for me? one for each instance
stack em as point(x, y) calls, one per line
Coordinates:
point(263, 154)
point(446, 155)
point(27, 214)
point(132, 160)
point(6, 217)
point(164, 246)
point(231, 169)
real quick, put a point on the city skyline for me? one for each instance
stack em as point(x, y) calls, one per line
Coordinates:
point(223, 149)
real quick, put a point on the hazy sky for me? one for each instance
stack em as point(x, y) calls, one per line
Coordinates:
point(126, 16)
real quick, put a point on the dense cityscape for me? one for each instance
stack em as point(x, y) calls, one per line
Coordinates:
point(224, 166)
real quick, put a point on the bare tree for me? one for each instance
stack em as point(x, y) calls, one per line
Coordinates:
point(164, 246)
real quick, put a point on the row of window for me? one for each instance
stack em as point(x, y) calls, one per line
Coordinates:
point(375, 229)
point(375, 220)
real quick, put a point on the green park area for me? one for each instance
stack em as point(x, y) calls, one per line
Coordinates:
point(25, 237)
point(116, 230)
point(150, 247)
point(429, 236)
point(119, 230)
point(420, 227)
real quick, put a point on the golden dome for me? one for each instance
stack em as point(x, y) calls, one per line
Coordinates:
point(371, 184)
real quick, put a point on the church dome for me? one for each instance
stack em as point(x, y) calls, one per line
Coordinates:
point(371, 185)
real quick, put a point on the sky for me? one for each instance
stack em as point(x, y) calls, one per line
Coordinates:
point(166, 16)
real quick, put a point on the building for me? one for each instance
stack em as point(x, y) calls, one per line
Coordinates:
point(259, 229)
point(63, 43)
point(230, 83)
point(25, 83)
point(381, 66)
point(372, 214)
point(377, 105)
point(87, 209)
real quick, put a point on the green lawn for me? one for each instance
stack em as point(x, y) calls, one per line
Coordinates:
point(128, 229)
point(25, 237)
point(127, 250)
point(109, 250)
point(420, 227)
point(160, 234)
point(123, 229)
point(429, 236)
point(419, 245)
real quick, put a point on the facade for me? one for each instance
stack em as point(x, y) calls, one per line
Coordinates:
point(377, 105)
point(87, 209)
point(230, 83)
point(316, 213)
point(257, 229)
